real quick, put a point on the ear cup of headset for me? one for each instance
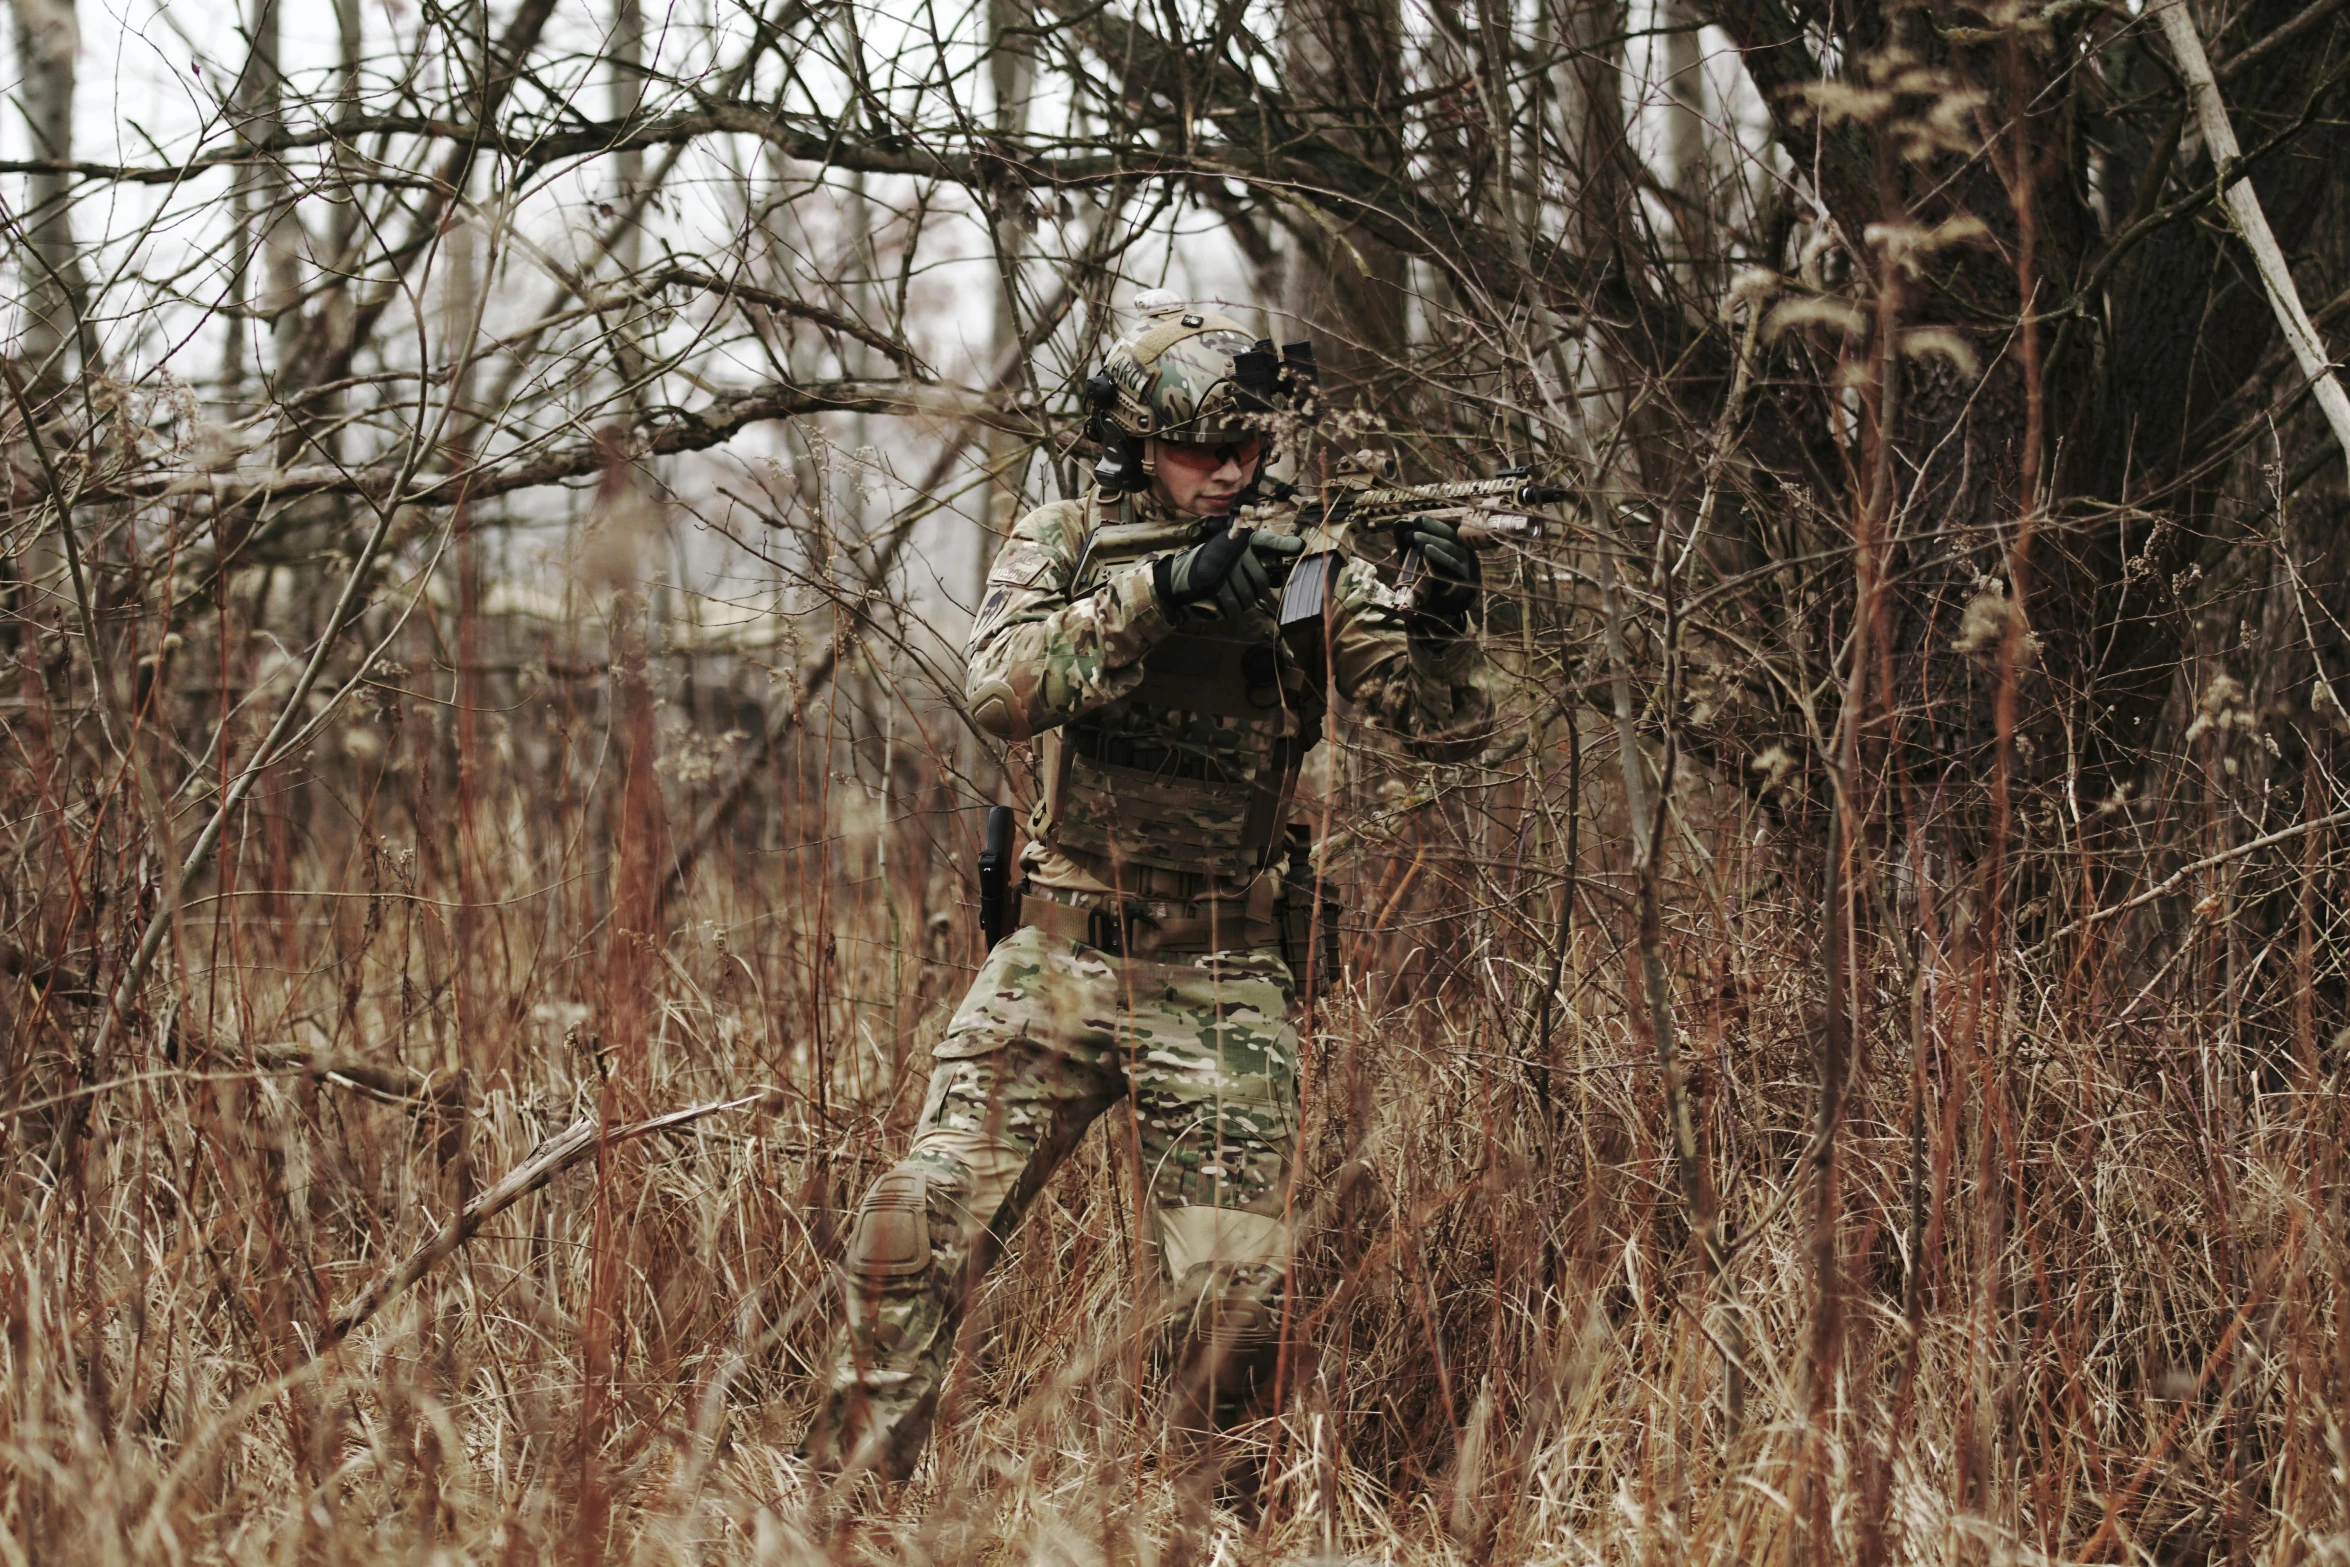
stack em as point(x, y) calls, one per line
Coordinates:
point(1119, 468)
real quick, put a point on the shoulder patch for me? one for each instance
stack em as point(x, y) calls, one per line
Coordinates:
point(1020, 564)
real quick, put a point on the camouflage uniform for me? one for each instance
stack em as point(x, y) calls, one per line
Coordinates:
point(1148, 970)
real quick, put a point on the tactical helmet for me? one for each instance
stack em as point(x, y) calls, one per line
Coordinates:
point(1186, 375)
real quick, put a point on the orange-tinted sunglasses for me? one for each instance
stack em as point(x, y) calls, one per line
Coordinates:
point(1209, 458)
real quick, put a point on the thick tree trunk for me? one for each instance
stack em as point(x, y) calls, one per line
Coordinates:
point(1350, 291)
point(1688, 154)
point(2148, 333)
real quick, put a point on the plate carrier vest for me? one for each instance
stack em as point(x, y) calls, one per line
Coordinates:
point(1194, 769)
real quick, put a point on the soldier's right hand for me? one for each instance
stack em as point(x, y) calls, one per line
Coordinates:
point(1228, 567)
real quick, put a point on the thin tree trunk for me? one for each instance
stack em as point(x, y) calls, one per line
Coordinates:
point(1011, 78)
point(1650, 991)
point(281, 230)
point(48, 42)
point(1011, 69)
point(321, 413)
point(628, 97)
point(262, 217)
point(1686, 150)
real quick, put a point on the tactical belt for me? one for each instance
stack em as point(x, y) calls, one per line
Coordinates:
point(1131, 933)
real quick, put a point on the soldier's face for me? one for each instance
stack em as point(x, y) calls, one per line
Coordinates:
point(1204, 481)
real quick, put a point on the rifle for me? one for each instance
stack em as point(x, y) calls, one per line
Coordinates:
point(1485, 512)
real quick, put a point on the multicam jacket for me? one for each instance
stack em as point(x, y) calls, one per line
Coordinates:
point(1169, 742)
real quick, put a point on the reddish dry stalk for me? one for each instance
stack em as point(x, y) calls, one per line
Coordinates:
point(1845, 871)
point(1987, 1005)
point(628, 968)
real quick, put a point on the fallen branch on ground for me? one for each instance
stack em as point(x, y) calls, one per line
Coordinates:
point(571, 1146)
point(2177, 878)
point(393, 1085)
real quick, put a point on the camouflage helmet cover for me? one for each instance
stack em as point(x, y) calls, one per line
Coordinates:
point(1175, 380)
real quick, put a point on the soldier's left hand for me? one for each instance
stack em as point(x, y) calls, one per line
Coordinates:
point(1454, 578)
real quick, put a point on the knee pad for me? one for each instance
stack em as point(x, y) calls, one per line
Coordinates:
point(891, 1237)
point(1223, 1346)
point(1237, 1327)
point(1232, 1312)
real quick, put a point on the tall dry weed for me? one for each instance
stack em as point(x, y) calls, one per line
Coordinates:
point(2087, 1247)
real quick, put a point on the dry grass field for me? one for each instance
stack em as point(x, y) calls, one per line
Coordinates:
point(2060, 1284)
point(493, 493)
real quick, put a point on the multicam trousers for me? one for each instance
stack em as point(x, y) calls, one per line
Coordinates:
point(1051, 1034)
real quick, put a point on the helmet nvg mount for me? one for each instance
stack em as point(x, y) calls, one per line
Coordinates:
point(1193, 376)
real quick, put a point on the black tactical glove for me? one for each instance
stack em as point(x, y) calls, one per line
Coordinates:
point(1229, 568)
point(1452, 578)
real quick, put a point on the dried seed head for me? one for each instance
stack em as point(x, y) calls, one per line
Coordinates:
point(2224, 708)
point(1941, 342)
point(1821, 310)
point(1983, 624)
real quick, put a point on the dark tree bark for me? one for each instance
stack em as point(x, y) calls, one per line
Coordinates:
point(2155, 338)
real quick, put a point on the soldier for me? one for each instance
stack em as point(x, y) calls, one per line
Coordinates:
point(1131, 638)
